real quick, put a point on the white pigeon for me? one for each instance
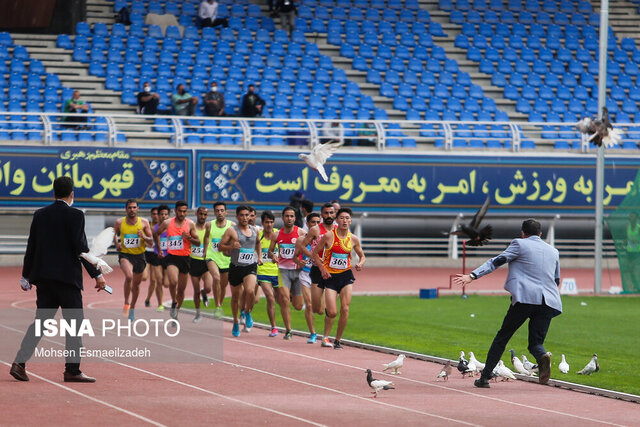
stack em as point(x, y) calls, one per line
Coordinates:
point(591, 367)
point(446, 371)
point(517, 364)
point(504, 372)
point(378, 385)
point(472, 359)
point(395, 365)
point(99, 247)
point(319, 155)
point(528, 365)
point(563, 366)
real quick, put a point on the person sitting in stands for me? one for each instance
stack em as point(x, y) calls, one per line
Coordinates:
point(252, 104)
point(214, 101)
point(147, 100)
point(75, 105)
point(208, 13)
point(183, 103)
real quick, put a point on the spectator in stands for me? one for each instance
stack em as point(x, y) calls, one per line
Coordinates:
point(208, 13)
point(332, 132)
point(288, 11)
point(367, 134)
point(183, 103)
point(147, 100)
point(252, 104)
point(214, 101)
point(75, 105)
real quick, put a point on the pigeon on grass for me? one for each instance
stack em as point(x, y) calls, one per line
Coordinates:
point(378, 385)
point(395, 365)
point(99, 247)
point(563, 366)
point(517, 364)
point(319, 155)
point(591, 367)
point(528, 365)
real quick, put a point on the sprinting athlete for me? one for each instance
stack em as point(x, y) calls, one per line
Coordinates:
point(198, 269)
point(337, 277)
point(312, 220)
point(153, 271)
point(161, 252)
point(132, 235)
point(268, 271)
point(217, 262)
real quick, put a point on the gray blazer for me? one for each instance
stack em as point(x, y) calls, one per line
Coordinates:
point(534, 272)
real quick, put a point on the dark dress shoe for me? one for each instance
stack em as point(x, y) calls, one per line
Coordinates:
point(544, 369)
point(18, 372)
point(481, 383)
point(79, 378)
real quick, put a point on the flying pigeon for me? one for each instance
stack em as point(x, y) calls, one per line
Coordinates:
point(446, 371)
point(517, 364)
point(319, 155)
point(528, 365)
point(395, 365)
point(378, 385)
point(472, 359)
point(477, 236)
point(563, 366)
point(591, 367)
point(600, 130)
point(505, 372)
point(98, 248)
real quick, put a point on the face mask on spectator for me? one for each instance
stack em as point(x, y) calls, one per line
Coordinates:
point(147, 89)
point(214, 88)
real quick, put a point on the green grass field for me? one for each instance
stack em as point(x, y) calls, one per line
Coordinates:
point(442, 327)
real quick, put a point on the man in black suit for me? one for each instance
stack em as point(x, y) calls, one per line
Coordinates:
point(52, 264)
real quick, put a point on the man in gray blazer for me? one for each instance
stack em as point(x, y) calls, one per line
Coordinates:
point(534, 275)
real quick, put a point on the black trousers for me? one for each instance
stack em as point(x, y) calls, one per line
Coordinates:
point(206, 22)
point(52, 295)
point(539, 320)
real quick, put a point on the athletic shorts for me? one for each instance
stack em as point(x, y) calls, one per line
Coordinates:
point(291, 280)
point(182, 262)
point(221, 270)
point(315, 274)
point(337, 281)
point(237, 273)
point(305, 279)
point(163, 262)
point(137, 261)
point(198, 267)
point(152, 258)
point(271, 279)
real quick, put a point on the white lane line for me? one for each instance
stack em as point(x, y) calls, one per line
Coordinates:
point(166, 379)
point(93, 399)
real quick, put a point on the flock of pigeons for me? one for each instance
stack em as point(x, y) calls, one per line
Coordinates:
point(472, 366)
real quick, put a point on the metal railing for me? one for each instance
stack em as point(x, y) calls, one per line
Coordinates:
point(180, 131)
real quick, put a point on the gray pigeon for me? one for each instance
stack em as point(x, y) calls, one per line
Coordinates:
point(528, 365)
point(378, 385)
point(591, 367)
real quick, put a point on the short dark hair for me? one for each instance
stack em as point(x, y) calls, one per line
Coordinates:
point(335, 201)
point(251, 209)
point(163, 208)
point(220, 203)
point(267, 215)
point(311, 216)
point(180, 203)
point(242, 208)
point(154, 209)
point(201, 208)
point(531, 227)
point(62, 187)
point(289, 208)
point(327, 206)
point(343, 210)
point(130, 201)
point(306, 204)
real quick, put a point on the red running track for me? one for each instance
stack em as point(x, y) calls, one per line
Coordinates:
point(268, 380)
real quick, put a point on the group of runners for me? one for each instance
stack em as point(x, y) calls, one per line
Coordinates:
point(306, 267)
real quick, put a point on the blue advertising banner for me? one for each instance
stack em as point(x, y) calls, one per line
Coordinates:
point(103, 177)
point(386, 182)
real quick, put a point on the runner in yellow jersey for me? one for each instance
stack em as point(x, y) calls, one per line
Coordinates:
point(198, 269)
point(268, 271)
point(217, 262)
point(132, 235)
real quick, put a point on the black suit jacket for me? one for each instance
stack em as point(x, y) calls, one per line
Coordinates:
point(56, 240)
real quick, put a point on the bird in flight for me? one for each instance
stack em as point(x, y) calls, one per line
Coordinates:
point(319, 155)
point(477, 236)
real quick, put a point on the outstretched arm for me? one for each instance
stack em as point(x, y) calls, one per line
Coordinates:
point(509, 254)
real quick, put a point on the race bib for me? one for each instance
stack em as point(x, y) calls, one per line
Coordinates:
point(339, 261)
point(246, 256)
point(265, 255)
point(164, 243)
point(214, 244)
point(197, 251)
point(308, 263)
point(131, 241)
point(176, 243)
point(286, 250)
